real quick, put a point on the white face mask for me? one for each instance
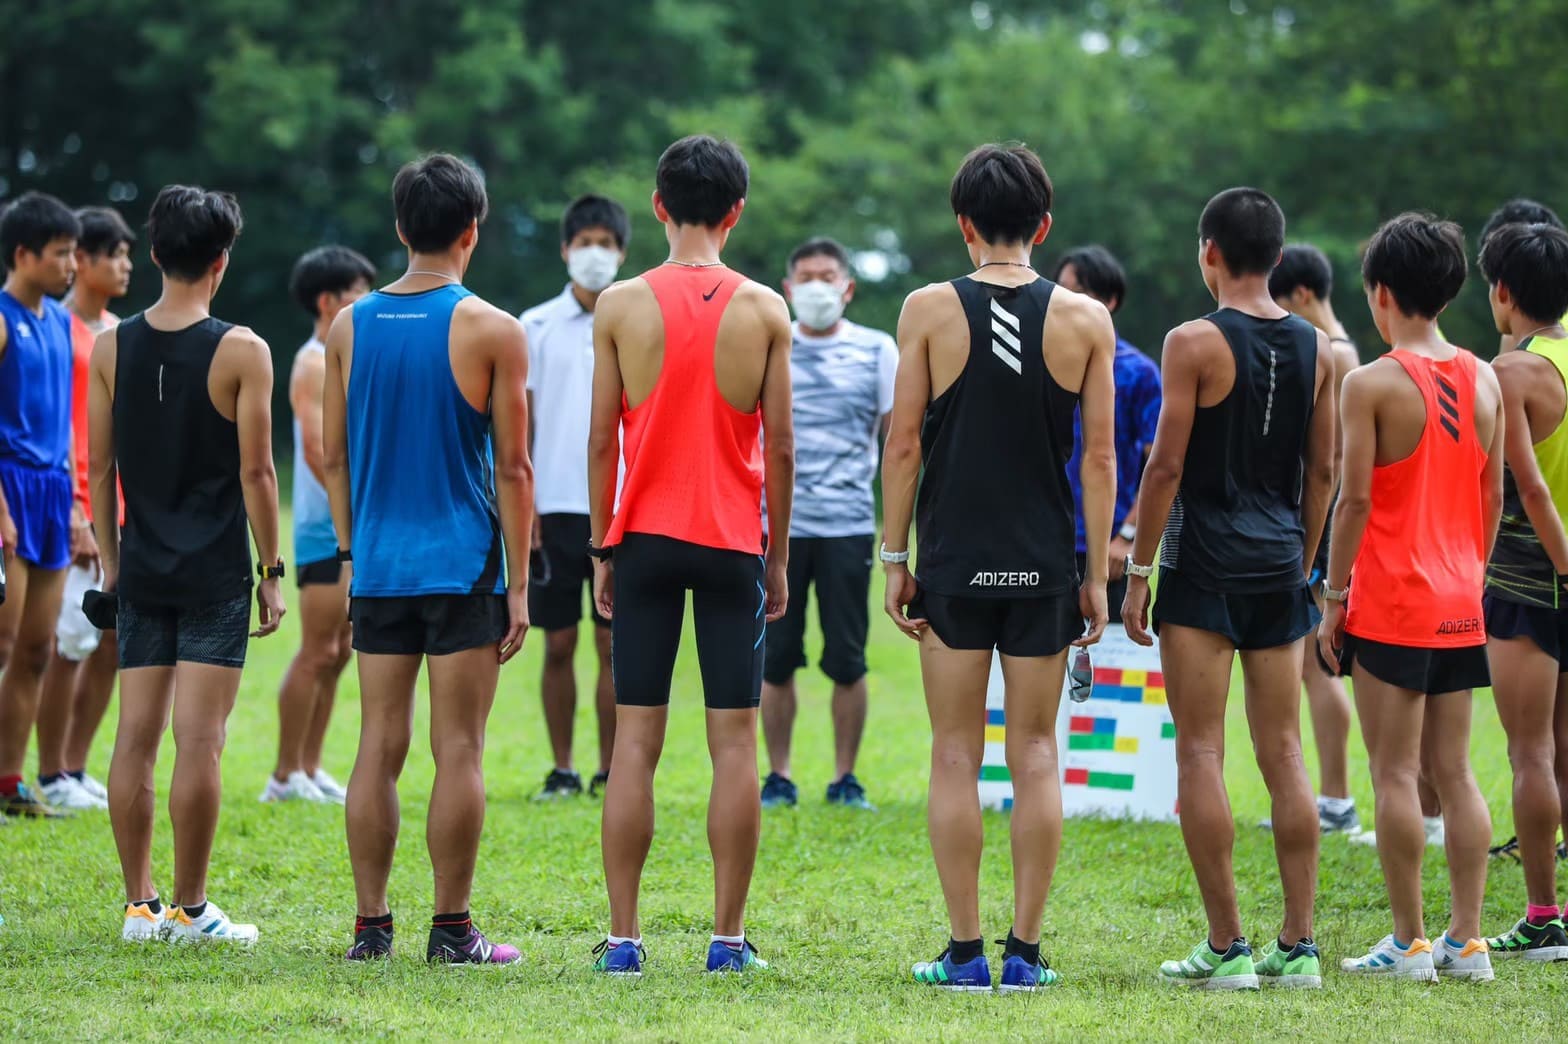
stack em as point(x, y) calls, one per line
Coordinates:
point(593, 267)
point(818, 305)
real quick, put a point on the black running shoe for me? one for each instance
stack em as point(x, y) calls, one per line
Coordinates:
point(778, 792)
point(559, 784)
point(370, 943)
point(471, 947)
point(1543, 942)
point(598, 783)
point(24, 804)
point(849, 793)
point(1507, 850)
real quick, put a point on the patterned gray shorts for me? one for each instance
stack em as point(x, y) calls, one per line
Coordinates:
point(161, 636)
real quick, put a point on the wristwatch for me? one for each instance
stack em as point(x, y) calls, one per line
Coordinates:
point(1331, 594)
point(602, 554)
point(1128, 531)
point(1134, 569)
point(345, 554)
point(272, 572)
point(892, 557)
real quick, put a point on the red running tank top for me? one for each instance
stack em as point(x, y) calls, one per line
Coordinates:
point(1418, 577)
point(693, 461)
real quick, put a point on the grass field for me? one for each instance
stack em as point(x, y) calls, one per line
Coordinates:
point(842, 904)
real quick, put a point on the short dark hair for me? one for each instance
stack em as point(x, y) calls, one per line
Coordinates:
point(700, 178)
point(1247, 226)
point(819, 246)
point(32, 221)
point(1420, 259)
point(190, 228)
point(596, 212)
point(1098, 272)
point(1004, 190)
point(1532, 262)
point(1304, 265)
point(327, 270)
point(1519, 211)
point(103, 230)
point(435, 198)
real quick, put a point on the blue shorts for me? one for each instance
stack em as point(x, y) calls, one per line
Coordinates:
point(40, 503)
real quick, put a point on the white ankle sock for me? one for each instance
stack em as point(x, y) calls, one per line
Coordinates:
point(736, 941)
point(1336, 806)
point(616, 940)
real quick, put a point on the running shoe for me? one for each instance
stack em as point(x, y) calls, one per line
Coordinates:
point(621, 959)
point(142, 925)
point(1470, 961)
point(1507, 850)
point(1433, 825)
point(1414, 962)
point(211, 927)
point(1562, 851)
point(722, 957)
point(1533, 942)
point(1346, 822)
point(1019, 976)
point(24, 804)
point(778, 792)
point(371, 942)
point(66, 793)
point(458, 948)
point(560, 784)
point(849, 793)
point(1203, 969)
point(1298, 968)
point(970, 977)
point(598, 783)
point(93, 787)
point(331, 789)
point(298, 787)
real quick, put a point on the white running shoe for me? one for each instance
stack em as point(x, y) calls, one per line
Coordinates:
point(298, 788)
point(330, 788)
point(1435, 835)
point(142, 925)
point(1386, 958)
point(1472, 961)
point(95, 788)
point(212, 926)
point(66, 793)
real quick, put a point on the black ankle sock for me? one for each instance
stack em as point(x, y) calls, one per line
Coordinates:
point(53, 777)
point(382, 921)
point(1016, 947)
point(196, 911)
point(154, 904)
point(964, 952)
point(80, 775)
point(457, 923)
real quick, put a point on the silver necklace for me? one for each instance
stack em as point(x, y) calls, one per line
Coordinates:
point(1015, 264)
point(1537, 330)
point(693, 264)
point(449, 277)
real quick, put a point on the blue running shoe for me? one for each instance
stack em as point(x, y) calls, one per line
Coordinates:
point(1019, 976)
point(972, 977)
point(722, 957)
point(778, 792)
point(621, 959)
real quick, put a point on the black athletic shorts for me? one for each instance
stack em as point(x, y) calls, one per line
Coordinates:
point(840, 569)
point(161, 636)
point(652, 576)
point(1115, 591)
point(558, 570)
point(1041, 626)
point(1428, 671)
point(1547, 628)
point(427, 625)
point(327, 572)
point(1264, 620)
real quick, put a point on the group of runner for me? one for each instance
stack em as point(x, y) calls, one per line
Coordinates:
point(622, 436)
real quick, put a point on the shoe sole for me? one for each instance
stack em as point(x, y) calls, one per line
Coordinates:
point(1218, 982)
point(621, 974)
point(1025, 989)
point(1420, 975)
point(1468, 975)
point(212, 940)
point(1543, 954)
point(948, 988)
point(1291, 982)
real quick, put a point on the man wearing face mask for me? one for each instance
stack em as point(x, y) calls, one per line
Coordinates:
point(594, 233)
point(843, 380)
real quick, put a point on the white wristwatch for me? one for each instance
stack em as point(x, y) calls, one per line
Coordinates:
point(1331, 594)
point(1128, 531)
point(893, 557)
point(1134, 569)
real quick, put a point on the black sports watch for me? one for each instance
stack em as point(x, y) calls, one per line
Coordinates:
point(272, 572)
point(345, 554)
point(602, 554)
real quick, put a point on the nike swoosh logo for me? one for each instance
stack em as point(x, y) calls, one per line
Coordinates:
point(709, 295)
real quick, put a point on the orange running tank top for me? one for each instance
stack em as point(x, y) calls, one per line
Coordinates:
point(693, 461)
point(1418, 577)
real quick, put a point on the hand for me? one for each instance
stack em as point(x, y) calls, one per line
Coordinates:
point(901, 590)
point(269, 603)
point(1120, 549)
point(8, 536)
point(1331, 634)
point(776, 585)
point(604, 587)
point(1135, 610)
point(536, 535)
point(1091, 603)
point(84, 546)
point(517, 622)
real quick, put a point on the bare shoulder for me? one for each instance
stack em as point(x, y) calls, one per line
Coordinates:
point(620, 297)
point(928, 304)
point(1078, 313)
point(766, 302)
point(245, 346)
point(1192, 339)
point(1367, 383)
point(1346, 358)
point(1488, 374)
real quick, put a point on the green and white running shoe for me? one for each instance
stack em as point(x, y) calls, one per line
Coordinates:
point(1298, 968)
point(1203, 969)
point(1546, 942)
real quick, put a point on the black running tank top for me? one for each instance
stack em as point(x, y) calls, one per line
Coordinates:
point(995, 512)
point(1235, 527)
point(184, 542)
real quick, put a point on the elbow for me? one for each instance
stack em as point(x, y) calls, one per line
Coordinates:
point(900, 452)
point(261, 474)
point(1162, 474)
point(1098, 465)
point(1320, 475)
point(603, 445)
point(515, 474)
point(1352, 505)
point(779, 449)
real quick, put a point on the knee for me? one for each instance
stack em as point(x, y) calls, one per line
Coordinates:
point(28, 656)
point(1535, 755)
point(1277, 752)
point(324, 657)
point(560, 647)
point(956, 754)
point(457, 752)
point(200, 742)
point(1199, 751)
point(1031, 755)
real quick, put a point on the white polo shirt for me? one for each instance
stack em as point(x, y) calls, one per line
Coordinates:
point(560, 376)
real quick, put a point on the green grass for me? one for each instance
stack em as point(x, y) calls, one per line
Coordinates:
point(843, 902)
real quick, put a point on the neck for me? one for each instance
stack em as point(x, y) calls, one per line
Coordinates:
point(587, 298)
point(322, 328)
point(422, 267)
point(1519, 328)
point(1003, 254)
point(181, 300)
point(1321, 315)
point(24, 291)
point(1414, 333)
point(829, 332)
point(1249, 294)
point(87, 303)
point(694, 244)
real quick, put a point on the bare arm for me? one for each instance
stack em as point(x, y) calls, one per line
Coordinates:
point(778, 444)
point(1097, 467)
point(1358, 417)
point(102, 471)
point(604, 420)
point(1519, 452)
point(1319, 461)
point(901, 453)
point(1345, 360)
point(1492, 476)
point(7, 523)
point(258, 477)
point(334, 426)
point(306, 393)
point(514, 471)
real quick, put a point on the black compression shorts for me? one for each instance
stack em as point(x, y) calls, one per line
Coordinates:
point(652, 576)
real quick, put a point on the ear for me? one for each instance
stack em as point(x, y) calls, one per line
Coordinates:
point(1504, 296)
point(849, 290)
point(221, 265)
point(967, 228)
point(470, 235)
point(659, 210)
point(401, 238)
point(789, 293)
point(564, 251)
point(324, 302)
point(1044, 229)
point(1113, 304)
point(733, 217)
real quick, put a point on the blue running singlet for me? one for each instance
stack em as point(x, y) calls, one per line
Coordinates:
point(35, 385)
point(314, 538)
